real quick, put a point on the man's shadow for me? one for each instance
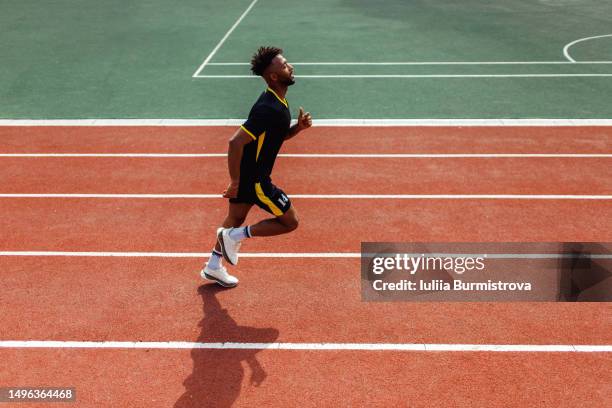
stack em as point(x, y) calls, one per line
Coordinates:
point(218, 373)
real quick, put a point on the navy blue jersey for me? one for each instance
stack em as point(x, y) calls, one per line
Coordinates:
point(268, 124)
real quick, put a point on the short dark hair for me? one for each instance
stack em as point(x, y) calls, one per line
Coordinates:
point(262, 59)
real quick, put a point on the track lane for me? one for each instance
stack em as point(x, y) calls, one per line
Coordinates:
point(119, 299)
point(311, 175)
point(595, 139)
point(188, 225)
point(184, 379)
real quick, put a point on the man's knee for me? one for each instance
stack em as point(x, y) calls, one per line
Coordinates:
point(291, 222)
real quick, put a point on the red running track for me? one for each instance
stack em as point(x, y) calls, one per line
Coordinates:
point(582, 176)
point(293, 300)
point(224, 378)
point(138, 139)
point(305, 301)
point(188, 225)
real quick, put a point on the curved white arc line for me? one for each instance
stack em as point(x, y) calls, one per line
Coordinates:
point(567, 47)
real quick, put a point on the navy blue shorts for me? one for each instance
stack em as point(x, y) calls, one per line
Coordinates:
point(265, 195)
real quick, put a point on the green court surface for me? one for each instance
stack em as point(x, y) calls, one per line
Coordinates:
point(353, 58)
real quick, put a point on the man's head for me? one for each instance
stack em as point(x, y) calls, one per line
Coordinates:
point(269, 63)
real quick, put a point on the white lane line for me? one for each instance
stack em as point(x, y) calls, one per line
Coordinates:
point(375, 76)
point(428, 63)
point(177, 254)
point(326, 155)
point(499, 122)
point(101, 155)
point(142, 196)
point(423, 347)
point(286, 255)
point(214, 51)
point(336, 196)
point(568, 46)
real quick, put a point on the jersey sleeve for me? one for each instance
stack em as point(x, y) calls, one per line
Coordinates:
point(259, 120)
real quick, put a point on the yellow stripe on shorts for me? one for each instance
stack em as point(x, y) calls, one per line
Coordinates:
point(262, 197)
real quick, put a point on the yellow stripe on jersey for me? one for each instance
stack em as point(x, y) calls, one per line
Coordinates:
point(283, 101)
point(259, 144)
point(247, 130)
point(262, 197)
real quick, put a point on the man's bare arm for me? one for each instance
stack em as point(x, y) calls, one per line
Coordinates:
point(304, 122)
point(234, 157)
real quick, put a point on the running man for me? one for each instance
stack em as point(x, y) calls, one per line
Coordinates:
point(251, 155)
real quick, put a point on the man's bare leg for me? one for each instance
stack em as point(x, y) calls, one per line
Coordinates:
point(213, 270)
point(236, 215)
point(276, 226)
point(230, 238)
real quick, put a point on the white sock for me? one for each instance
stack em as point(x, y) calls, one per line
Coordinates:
point(238, 234)
point(215, 259)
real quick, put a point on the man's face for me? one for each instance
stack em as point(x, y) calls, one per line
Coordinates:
point(282, 71)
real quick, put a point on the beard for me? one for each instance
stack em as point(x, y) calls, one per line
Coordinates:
point(287, 81)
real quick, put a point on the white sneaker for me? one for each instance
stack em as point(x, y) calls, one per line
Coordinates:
point(229, 247)
point(220, 276)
